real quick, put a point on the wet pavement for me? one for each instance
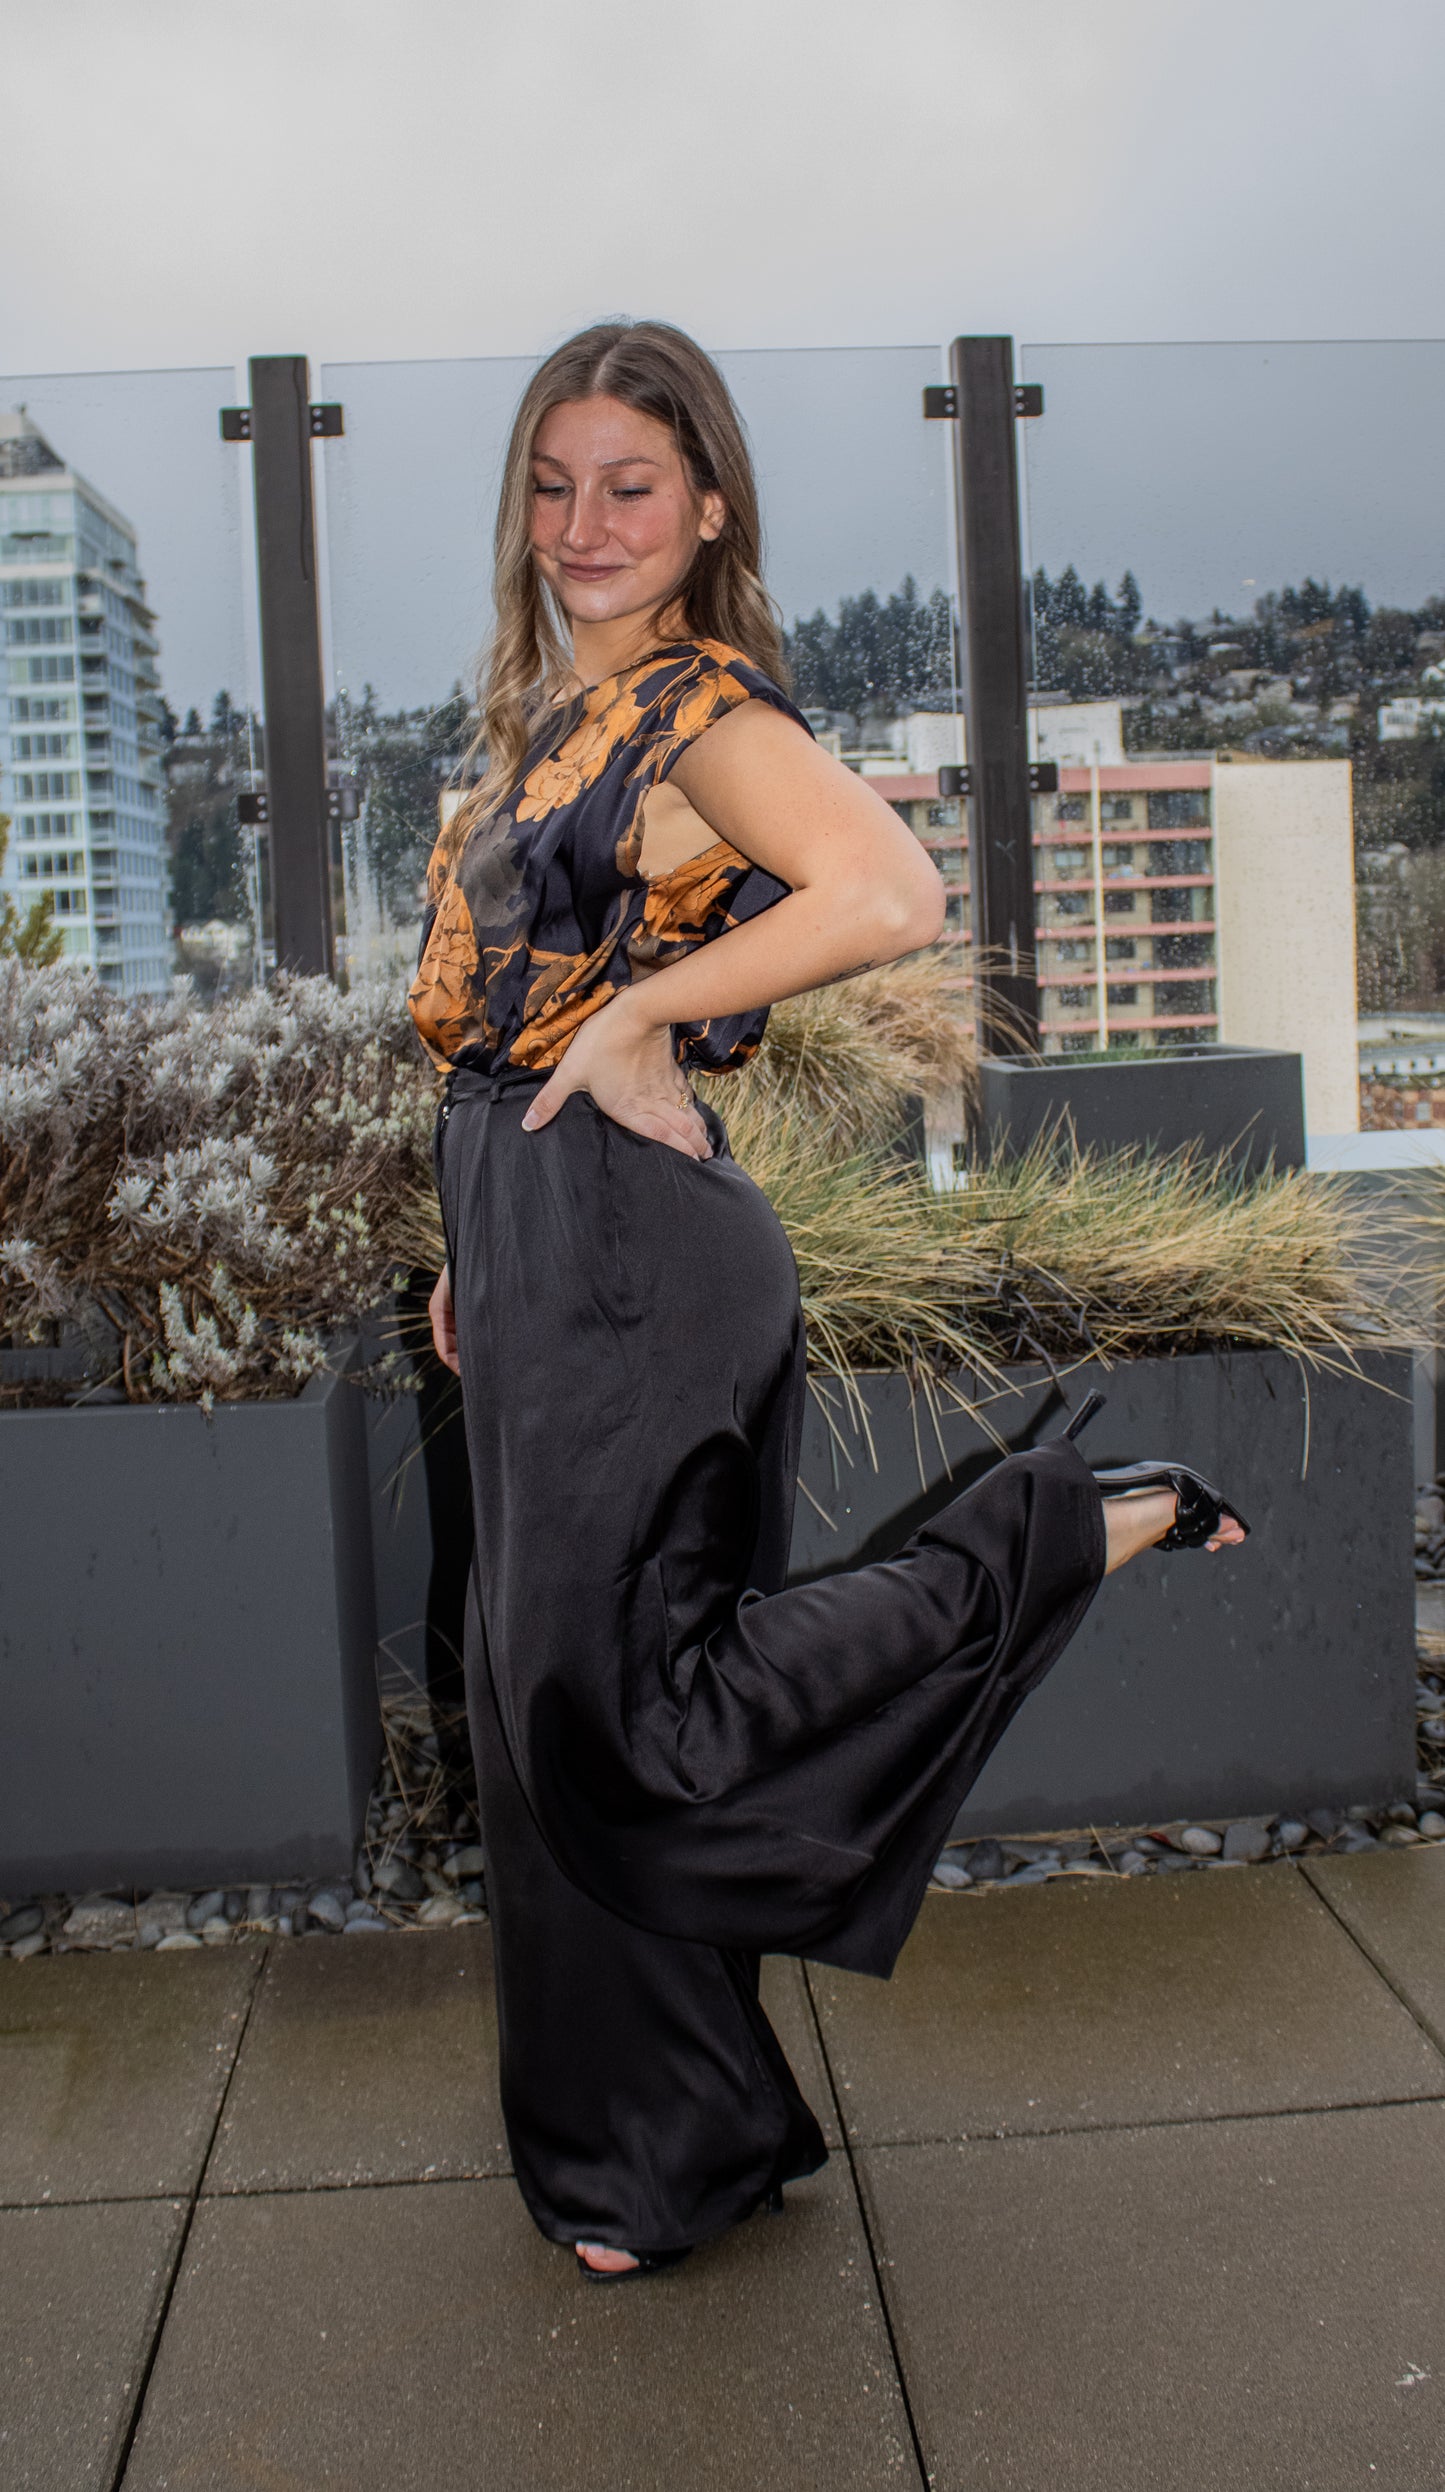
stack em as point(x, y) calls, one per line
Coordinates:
point(1134, 2184)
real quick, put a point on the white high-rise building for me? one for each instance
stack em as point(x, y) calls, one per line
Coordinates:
point(80, 717)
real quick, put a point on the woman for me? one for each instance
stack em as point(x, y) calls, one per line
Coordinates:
point(681, 1764)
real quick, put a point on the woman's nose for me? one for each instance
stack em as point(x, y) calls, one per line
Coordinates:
point(586, 523)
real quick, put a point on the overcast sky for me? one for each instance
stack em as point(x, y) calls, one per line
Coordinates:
point(185, 182)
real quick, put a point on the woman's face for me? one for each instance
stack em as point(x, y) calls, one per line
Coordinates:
point(615, 523)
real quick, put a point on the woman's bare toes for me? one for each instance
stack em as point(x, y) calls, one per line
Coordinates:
point(602, 2261)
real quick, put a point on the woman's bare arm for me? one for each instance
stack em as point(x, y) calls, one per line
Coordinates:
point(861, 891)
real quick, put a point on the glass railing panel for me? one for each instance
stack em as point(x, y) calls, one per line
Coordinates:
point(126, 725)
point(855, 496)
point(1237, 569)
point(410, 497)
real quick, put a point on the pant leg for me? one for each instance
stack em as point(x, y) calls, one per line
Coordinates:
point(648, 2103)
point(709, 1755)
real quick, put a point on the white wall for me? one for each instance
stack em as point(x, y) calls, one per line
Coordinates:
point(1285, 894)
point(1076, 733)
point(931, 738)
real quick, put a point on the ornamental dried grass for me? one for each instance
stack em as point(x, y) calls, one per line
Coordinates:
point(848, 1058)
point(1060, 1255)
point(1054, 1256)
point(204, 1198)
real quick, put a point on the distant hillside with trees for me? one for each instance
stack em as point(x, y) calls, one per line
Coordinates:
point(877, 653)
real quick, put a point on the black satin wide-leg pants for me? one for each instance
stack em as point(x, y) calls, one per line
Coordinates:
point(682, 1764)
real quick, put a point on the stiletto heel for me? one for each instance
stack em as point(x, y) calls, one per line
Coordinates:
point(1088, 1409)
point(1199, 1510)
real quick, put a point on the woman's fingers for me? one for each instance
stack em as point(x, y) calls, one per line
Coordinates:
point(547, 1102)
point(680, 1130)
point(679, 1125)
point(443, 1323)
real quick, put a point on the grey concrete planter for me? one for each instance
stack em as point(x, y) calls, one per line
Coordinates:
point(1244, 1102)
point(187, 1645)
point(1277, 1677)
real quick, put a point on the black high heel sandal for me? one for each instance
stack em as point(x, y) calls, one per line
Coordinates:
point(647, 2265)
point(771, 2199)
point(1199, 1509)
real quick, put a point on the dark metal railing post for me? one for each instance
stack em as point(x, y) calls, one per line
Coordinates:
point(300, 838)
point(994, 677)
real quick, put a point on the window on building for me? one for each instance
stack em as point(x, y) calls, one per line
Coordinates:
point(1120, 947)
point(29, 707)
point(1072, 809)
point(1176, 808)
point(1123, 995)
point(30, 784)
point(1072, 997)
point(1119, 903)
point(1182, 951)
point(1072, 903)
point(1119, 858)
point(1181, 856)
point(1073, 950)
point(1191, 995)
point(31, 630)
point(1075, 1042)
point(1068, 862)
point(46, 825)
point(37, 592)
point(1118, 808)
point(1168, 907)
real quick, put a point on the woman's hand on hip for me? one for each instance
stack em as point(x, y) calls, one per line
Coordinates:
point(627, 1065)
point(444, 1323)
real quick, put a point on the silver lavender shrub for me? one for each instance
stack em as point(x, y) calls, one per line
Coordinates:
point(202, 1199)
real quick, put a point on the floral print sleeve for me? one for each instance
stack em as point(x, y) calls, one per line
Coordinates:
point(545, 914)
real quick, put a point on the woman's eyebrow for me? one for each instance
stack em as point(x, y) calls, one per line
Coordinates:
point(544, 458)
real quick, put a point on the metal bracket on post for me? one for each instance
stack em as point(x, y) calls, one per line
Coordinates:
point(984, 402)
point(327, 421)
point(942, 400)
point(281, 423)
point(954, 779)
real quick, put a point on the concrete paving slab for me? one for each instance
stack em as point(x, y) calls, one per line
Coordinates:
point(81, 2291)
point(1394, 1904)
point(397, 2339)
point(1244, 2302)
point(1099, 2003)
point(789, 2010)
point(366, 2059)
point(112, 2068)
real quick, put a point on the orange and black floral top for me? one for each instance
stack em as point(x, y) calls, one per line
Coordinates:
point(544, 915)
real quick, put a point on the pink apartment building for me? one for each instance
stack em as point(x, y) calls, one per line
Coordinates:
point(1126, 851)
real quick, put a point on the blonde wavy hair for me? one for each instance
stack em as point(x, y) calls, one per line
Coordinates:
point(662, 373)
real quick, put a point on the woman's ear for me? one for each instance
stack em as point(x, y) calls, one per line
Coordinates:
point(712, 519)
